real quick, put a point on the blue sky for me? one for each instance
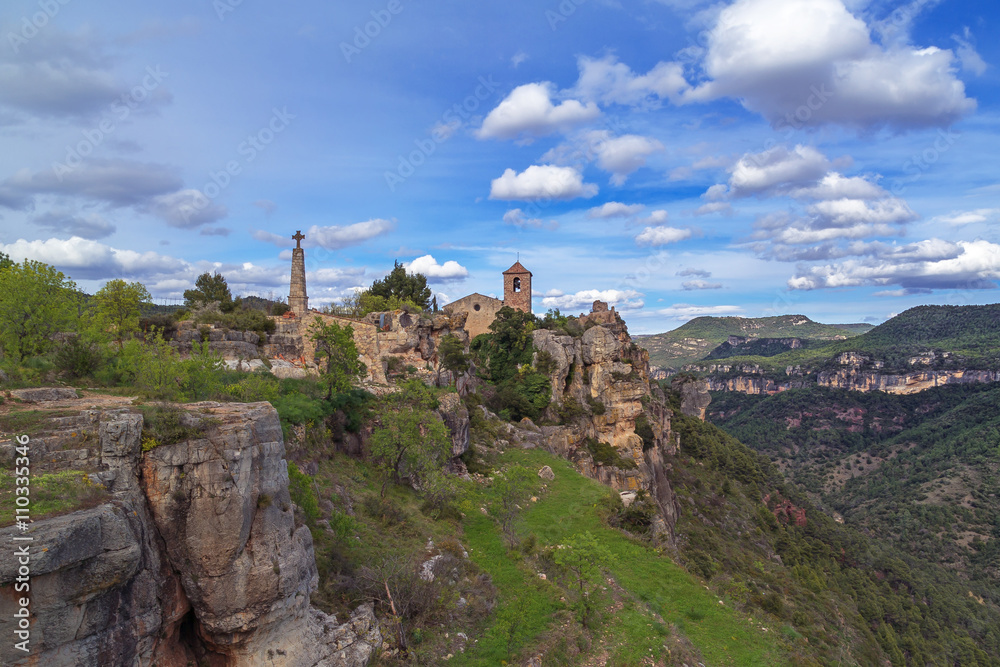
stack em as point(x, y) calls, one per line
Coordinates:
point(835, 158)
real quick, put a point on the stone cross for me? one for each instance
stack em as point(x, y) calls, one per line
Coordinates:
point(298, 238)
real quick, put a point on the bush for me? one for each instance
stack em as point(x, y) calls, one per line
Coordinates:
point(606, 454)
point(78, 357)
point(300, 486)
point(168, 425)
point(644, 430)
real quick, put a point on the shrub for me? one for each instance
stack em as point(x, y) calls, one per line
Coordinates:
point(300, 486)
point(644, 430)
point(606, 454)
point(78, 357)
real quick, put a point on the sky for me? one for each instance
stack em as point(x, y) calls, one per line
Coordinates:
point(676, 158)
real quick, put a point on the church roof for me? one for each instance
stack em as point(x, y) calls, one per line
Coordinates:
point(517, 268)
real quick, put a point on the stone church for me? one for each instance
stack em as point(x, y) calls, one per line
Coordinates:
point(482, 309)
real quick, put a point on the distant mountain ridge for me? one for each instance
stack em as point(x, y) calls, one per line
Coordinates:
point(694, 340)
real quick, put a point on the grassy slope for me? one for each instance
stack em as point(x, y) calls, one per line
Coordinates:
point(657, 586)
point(670, 349)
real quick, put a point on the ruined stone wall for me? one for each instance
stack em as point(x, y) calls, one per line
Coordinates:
point(480, 312)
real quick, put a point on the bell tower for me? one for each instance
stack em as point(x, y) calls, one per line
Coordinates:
point(517, 288)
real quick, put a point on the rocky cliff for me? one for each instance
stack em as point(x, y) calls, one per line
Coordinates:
point(195, 559)
point(607, 375)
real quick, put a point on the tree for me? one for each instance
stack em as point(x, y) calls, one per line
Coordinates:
point(452, 354)
point(118, 307)
point(36, 301)
point(407, 286)
point(5, 261)
point(412, 438)
point(508, 346)
point(209, 288)
point(510, 489)
point(583, 558)
point(335, 346)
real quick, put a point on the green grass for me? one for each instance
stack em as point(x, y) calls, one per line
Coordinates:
point(655, 584)
point(51, 495)
point(29, 422)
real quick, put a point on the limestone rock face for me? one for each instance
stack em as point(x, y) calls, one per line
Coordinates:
point(44, 394)
point(456, 418)
point(195, 558)
point(694, 398)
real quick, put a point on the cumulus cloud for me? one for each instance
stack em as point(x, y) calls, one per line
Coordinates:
point(85, 258)
point(608, 81)
point(333, 237)
point(722, 207)
point(539, 182)
point(657, 236)
point(927, 265)
point(518, 218)
point(774, 171)
point(614, 209)
point(686, 311)
point(621, 299)
point(812, 62)
point(91, 226)
point(618, 155)
point(690, 285)
point(450, 271)
point(528, 112)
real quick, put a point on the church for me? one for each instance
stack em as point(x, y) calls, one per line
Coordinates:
point(482, 310)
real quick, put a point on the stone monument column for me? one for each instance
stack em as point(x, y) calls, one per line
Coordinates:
point(298, 301)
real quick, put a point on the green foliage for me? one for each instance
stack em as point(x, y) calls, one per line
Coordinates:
point(117, 308)
point(509, 346)
point(154, 367)
point(451, 352)
point(5, 261)
point(300, 487)
point(78, 357)
point(411, 439)
point(239, 318)
point(260, 385)
point(36, 301)
point(336, 350)
point(509, 490)
point(300, 408)
point(644, 430)
point(526, 394)
point(605, 454)
point(565, 325)
point(169, 425)
point(408, 287)
point(209, 288)
point(583, 557)
point(52, 494)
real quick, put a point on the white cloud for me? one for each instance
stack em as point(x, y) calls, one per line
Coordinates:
point(967, 54)
point(690, 285)
point(87, 259)
point(927, 265)
point(714, 207)
point(850, 212)
point(685, 311)
point(700, 273)
point(969, 217)
point(621, 299)
point(812, 62)
point(517, 217)
point(608, 81)
point(774, 171)
point(528, 112)
point(614, 209)
point(657, 217)
point(620, 156)
point(518, 58)
point(657, 236)
point(539, 182)
point(836, 186)
point(440, 273)
point(333, 237)
point(91, 226)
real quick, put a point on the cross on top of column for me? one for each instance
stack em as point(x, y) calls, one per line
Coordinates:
point(298, 238)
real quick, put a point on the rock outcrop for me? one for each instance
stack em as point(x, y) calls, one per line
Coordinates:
point(195, 559)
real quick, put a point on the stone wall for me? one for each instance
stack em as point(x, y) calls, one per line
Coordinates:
point(480, 312)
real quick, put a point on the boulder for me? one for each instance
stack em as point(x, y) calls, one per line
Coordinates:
point(546, 473)
point(44, 394)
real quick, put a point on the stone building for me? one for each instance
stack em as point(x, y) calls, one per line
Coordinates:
point(517, 288)
point(482, 310)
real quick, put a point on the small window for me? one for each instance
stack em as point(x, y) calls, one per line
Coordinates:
point(475, 307)
point(517, 284)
